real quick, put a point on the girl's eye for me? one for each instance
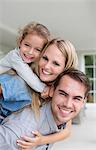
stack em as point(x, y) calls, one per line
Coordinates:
point(45, 58)
point(27, 45)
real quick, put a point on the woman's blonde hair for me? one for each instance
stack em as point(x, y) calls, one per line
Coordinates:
point(67, 49)
point(71, 61)
point(33, 28)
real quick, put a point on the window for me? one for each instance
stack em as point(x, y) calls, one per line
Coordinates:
point(90, 70)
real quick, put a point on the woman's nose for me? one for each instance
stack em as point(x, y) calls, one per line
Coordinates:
point(48, 65)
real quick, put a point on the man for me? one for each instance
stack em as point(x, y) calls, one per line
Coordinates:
point(68, 97)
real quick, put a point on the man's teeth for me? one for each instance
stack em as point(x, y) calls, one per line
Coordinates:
point(64, 110)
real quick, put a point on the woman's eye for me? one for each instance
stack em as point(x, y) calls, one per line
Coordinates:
point(57, 64)
point(37, 49)
point(45, 58)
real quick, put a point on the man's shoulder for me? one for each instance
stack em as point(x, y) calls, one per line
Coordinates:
point(45, 110)
point(45, 106)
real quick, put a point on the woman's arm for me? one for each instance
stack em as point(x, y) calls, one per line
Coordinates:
point(27, 142)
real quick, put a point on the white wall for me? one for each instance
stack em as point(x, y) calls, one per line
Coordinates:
point(4, 50)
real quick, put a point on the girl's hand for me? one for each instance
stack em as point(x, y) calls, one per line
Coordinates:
point(27, 143)
point(45, 93)
point(0, 90)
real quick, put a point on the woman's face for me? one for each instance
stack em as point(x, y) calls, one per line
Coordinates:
point(51, 63)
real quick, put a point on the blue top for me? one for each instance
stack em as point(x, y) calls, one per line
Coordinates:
point(16, 94)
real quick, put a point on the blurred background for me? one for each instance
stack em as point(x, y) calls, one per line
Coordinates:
point(70, 19)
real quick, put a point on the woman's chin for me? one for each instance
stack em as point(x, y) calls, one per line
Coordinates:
point(44, 79)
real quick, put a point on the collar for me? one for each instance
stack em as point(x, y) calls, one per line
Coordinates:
point(61, 126)
point(51, 120)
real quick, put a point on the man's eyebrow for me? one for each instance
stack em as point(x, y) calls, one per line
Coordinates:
point(63, 92)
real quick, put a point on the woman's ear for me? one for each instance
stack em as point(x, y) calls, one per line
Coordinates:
point(51, 92)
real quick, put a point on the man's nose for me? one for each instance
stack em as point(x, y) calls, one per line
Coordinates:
point(68, 102)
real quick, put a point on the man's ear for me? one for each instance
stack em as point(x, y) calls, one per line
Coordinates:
point(84, 102)
point(51, 91)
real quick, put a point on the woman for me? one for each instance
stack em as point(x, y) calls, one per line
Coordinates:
point(57, 56)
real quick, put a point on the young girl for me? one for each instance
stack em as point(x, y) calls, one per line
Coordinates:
point(57, 56)
point(32, 39)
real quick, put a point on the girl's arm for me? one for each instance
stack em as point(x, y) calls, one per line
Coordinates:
point(14, 61)
point(0, 89)
point(27, 142)
point(63, 134)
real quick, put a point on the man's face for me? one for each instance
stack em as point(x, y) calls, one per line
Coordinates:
point(67, 100)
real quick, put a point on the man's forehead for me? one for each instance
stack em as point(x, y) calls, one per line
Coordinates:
point(64, 77)
point(66, 80)
point(70, 85)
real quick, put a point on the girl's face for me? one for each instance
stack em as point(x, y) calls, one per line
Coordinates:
point(31, 47)
point(51, 64)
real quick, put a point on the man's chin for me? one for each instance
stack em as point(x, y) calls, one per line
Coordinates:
point(66, 119)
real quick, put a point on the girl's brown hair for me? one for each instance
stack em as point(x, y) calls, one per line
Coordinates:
point(33, 28)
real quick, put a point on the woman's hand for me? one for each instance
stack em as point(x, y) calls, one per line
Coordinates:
point(27, 143)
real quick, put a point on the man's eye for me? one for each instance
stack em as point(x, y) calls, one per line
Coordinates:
point(64, 94)
point(77, 99)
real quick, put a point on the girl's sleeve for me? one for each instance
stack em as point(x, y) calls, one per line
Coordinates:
point(25, 72)
point(13, 61)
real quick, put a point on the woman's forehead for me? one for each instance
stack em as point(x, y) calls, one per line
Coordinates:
point(52, 49)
